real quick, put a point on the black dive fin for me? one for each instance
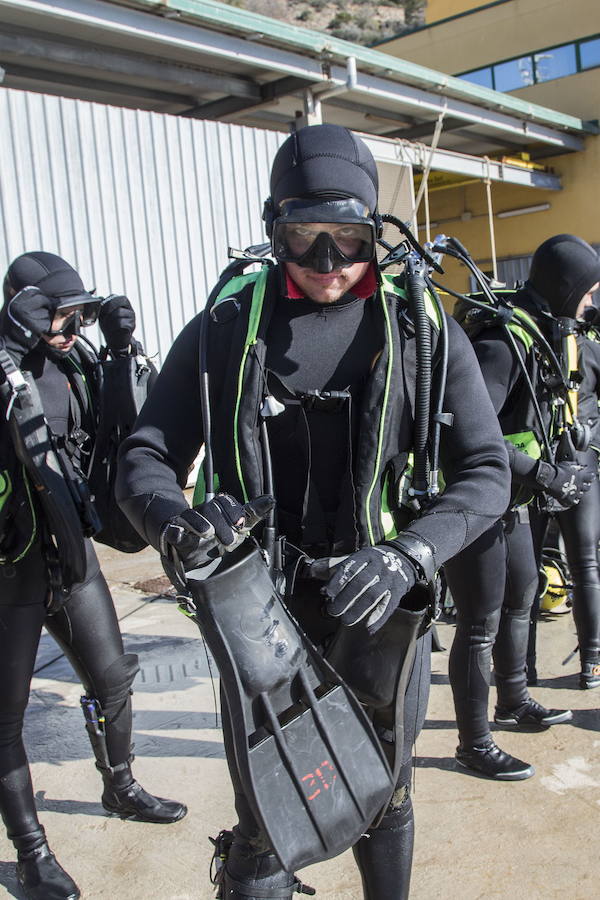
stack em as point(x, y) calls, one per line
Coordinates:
point(377, 667)
point(312, 767)
point(34, 448)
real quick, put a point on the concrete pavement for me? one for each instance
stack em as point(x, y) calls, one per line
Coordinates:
point(475, 838)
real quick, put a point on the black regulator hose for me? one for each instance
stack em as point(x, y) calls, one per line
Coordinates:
point(438, 416)
point(415, 286)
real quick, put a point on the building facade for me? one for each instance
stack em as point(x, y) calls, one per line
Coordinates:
point(543, 51)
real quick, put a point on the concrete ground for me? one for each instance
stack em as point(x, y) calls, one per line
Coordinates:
point(475, 838)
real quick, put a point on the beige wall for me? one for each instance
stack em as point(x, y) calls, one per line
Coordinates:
point(442, 9)
point(497, 32)
point(577, 95)
point(575, 209)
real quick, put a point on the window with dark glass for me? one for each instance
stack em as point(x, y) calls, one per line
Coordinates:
point(517, 73)
point(589, 53)
point(555, 63)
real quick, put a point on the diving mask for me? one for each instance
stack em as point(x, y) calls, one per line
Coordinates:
point(325, 235)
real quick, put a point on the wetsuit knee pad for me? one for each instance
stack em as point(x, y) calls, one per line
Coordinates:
point(114, 686)
point(527, 597)
point(482, 631)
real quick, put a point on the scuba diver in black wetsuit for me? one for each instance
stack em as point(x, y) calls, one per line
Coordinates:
point(559, 273)
point(580, 525)
point(325, 359)
point(495, 580)
point(44, 306)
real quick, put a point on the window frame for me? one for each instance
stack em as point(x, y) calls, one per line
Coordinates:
point(531, 54)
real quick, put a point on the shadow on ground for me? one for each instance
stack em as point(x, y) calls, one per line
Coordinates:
point(8, 880)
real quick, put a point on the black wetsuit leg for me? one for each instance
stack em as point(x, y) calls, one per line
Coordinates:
point(87, 630)
point(580, 528)
point(522, 577)
point(539, 526)
point(476, 578)
point(22, 614)
point(384, 855)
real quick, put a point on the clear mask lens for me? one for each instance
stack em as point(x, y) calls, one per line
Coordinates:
point(353, 241)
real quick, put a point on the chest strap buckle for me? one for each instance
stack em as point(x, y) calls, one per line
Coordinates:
point(324, 401)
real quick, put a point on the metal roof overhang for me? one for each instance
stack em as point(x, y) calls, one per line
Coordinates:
point(206, 59)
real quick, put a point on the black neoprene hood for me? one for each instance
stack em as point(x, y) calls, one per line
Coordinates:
point(327, 161)
point(563, 269)
point(50, 273)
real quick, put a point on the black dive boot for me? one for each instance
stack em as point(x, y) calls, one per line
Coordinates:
point(384, 854)
point(487, 759)
point(40, 875)
point(242, 874)
point(589, 677)
point(124, 797)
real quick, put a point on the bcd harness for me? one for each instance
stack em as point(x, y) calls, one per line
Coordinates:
point(55, 468)
point(559, 374)
point(45, 473)
point(381, 485)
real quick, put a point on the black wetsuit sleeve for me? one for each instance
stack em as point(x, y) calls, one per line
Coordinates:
point(501, 374)
point(473, 459)
point(589, 389)
point(155, 460)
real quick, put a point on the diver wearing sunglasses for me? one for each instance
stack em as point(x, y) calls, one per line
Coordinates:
point(45, 305)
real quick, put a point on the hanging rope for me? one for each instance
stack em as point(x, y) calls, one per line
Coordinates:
point(426, 170)
point(427, 222)
point(488, 191)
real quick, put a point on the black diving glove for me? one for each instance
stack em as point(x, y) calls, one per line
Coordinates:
point(369, 585)
point(566, 481)
point(116, 318)
point(197, 536)
point(27, 316)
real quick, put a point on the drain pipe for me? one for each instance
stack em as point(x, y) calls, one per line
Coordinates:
point(313, 97)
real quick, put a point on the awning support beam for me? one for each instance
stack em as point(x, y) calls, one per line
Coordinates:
point(476, 167)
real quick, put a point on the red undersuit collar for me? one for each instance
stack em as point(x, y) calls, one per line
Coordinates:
point(363, 289)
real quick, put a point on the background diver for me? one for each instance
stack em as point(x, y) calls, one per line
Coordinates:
point(44, 306)
point(563, 269)
point(334, 349)
point(494, 581)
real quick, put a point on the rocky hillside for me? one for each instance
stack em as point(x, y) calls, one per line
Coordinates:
point(360, 21)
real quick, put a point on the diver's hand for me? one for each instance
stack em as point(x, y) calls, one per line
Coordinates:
point(116, 318)
point(201, 534)
point(566, 481)
point(369, 585)
point(28, 315)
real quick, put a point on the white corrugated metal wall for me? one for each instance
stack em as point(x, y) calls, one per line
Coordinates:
point(140, 203)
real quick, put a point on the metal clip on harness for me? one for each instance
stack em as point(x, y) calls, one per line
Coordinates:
point(14, 378)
